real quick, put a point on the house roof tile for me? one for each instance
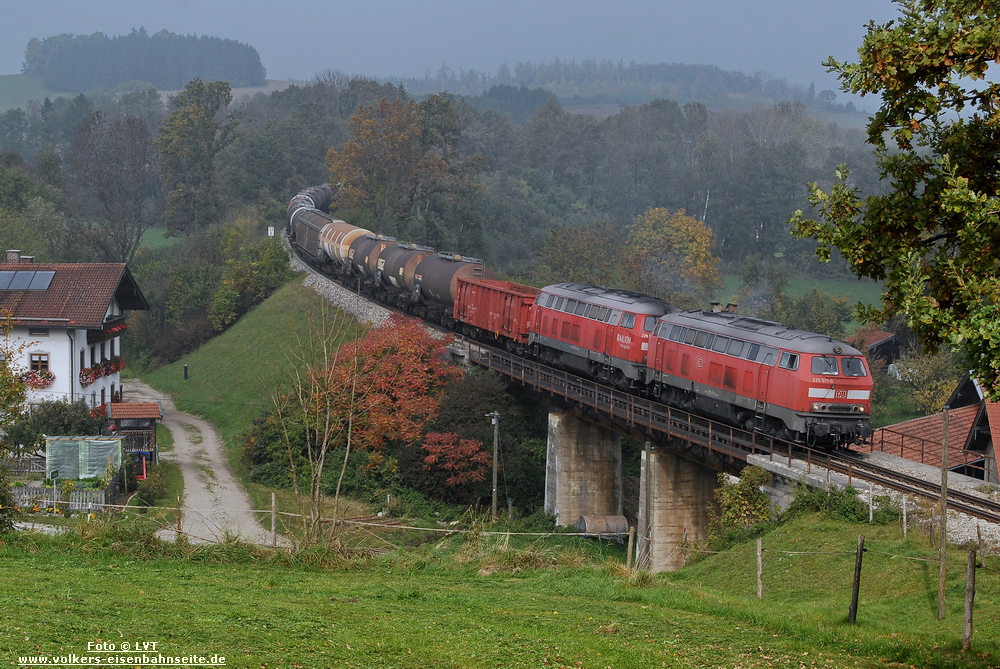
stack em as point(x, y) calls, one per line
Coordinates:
point(126, 410)
point(921, 439)
point(78, 295)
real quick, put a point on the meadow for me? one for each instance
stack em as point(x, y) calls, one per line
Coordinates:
point(477, 600)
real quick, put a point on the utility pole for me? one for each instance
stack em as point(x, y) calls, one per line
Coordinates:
point(494, 417)
point(943, 546)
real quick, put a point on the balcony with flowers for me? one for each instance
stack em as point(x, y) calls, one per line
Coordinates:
point(113, 326)
point(113, 365)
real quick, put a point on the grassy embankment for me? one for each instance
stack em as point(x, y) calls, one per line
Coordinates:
point(232, 378)
point(498, 601)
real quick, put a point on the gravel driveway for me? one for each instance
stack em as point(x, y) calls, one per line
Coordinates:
point(214, 501)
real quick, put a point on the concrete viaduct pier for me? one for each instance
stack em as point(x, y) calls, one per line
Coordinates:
point(583, 477)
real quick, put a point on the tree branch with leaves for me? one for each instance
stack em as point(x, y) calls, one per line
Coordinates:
point(933, 238)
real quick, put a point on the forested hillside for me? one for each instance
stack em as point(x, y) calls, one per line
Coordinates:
point(481, 182)
point(630, 83)
point(78, 63)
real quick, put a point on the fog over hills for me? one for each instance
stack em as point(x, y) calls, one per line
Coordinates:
point(786, 39)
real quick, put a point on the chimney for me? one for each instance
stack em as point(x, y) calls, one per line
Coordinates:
point(27, 260)
point(14, 255)
point(731, 308)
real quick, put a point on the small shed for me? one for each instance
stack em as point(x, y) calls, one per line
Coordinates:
point(135, 424)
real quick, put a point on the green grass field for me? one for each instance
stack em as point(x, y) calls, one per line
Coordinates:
point(231, 379)
point(17, 90)
point(496, 602)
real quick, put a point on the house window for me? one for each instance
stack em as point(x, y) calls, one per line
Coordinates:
point(38, 332)
point(83, 358)
point(39, 362)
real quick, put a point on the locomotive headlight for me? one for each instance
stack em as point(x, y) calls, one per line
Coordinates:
point(859, 408)
point(820, 407)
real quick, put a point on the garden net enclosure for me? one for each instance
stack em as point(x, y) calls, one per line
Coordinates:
point(82, 457)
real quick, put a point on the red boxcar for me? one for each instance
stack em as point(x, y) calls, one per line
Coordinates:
point(492, 308)
point(756, 373)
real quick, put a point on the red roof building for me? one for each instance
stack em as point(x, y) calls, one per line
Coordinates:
point(68, 320)
point(972, 419)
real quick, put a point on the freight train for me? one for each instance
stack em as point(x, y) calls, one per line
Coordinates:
point(756, 374)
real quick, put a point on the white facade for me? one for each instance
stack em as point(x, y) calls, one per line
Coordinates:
point(68, 351)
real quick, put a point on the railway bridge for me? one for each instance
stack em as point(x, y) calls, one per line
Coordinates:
point(680, 463)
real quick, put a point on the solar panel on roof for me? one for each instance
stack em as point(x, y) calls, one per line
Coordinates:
point(26, 279)
point(20, 280)
point(41, 280)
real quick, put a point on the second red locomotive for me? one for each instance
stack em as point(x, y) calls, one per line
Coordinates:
point(756, 374)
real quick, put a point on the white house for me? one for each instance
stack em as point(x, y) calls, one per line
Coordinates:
point(70, 318)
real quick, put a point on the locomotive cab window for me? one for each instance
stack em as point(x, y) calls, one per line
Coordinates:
point(559, 304)
point(701, 339)
point(789, 361)
point(581, 308)
point(675, 333)
point(649, 324)
point(570, 306)
point(720, 344)
point(853, 367)
point(736, 347)
point(822, 364)
point(628, 321)
point(689, 336)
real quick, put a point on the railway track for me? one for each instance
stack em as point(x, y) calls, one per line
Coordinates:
point(717, 440)
point(853, 466)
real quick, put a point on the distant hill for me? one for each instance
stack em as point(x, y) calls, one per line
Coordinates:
point(605, 86)
point(78, 63)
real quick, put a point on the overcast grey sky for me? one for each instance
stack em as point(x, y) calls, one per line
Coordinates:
point(786, 39)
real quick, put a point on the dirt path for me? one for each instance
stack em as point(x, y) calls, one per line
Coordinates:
point(214, 501)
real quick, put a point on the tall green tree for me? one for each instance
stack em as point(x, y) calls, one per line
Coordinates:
point(191, 137)
point(670, 256)
point(115, 173)
point(934, 238)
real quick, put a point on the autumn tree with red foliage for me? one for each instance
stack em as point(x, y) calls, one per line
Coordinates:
point(400, 369)
point(380, 389)
point(464, 459)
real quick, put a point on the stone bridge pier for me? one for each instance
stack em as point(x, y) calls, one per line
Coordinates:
point(674, 498)
point(583, 477)
point(583, 470)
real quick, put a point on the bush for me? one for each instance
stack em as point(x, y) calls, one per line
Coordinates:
point(152, 489)
point(842, 503)
point(8, 512)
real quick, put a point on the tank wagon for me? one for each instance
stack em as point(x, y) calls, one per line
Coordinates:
point(757, 374)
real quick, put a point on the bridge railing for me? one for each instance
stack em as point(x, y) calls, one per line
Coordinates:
point(666, 426)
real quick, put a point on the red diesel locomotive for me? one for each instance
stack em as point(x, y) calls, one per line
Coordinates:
point(761, 375)
point(756, 374)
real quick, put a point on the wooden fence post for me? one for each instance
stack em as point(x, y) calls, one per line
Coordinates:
point(631, 546)
point(760, 569)
point(852, 616)
point(274, 521)
point(970, 596)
